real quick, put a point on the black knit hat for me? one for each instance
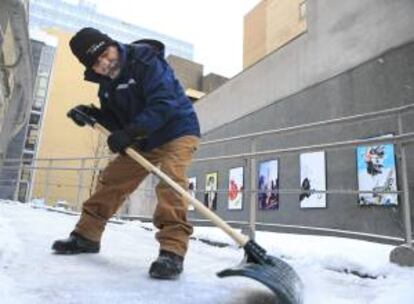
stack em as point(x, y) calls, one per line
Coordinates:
point(88, 44)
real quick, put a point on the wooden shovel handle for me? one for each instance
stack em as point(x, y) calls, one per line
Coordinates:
point(207, 213)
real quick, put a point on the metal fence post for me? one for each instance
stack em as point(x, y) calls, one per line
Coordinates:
point(47, 180)
point(404, 255)
point(80, 183)
point(253, 194)
point(406, 204)
point(406, 196)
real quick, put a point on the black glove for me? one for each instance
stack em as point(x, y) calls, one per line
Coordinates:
point(119, 140)
point(90, 111)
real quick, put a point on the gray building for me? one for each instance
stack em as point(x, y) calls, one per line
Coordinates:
point(24, 144)
point(43, 48)
point(72, 17)
point(16, 87)
point(191, 76)
point(356, 57)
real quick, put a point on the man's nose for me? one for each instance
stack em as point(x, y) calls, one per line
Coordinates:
point(103, 62)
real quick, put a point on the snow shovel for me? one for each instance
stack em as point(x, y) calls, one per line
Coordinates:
point(257, 265)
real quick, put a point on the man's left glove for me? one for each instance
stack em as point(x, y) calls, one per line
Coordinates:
point(90, 111)
point(119, 140)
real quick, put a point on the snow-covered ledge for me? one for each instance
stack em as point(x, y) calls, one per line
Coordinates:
point(403, 256)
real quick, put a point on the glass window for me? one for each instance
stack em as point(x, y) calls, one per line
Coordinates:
point(23, 189)
point(34, 119)
point(302, 10)
point(25, 174)
point(37, 105)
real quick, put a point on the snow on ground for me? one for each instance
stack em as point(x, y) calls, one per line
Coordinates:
point(30, 273)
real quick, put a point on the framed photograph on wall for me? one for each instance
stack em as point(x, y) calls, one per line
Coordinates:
point(235, 189)
point(210, 194)
point(192, 189)
point(377, 172)
point(312, 177)
point(268, 185)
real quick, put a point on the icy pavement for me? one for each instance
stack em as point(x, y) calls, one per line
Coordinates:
point(30, 273)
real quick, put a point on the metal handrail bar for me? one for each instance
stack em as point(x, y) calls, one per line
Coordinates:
point(255, 134)
point(300, 191)
point(314, 124)
point(16, 160)
point(280, 191)
point(60, 168)
point(402, 138)
point(339, 232)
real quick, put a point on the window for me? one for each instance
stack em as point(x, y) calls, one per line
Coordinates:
point(41, 92)
point(31, 139)
point(34, 119)
point(42, 82)
point(302, 10)
point(37, 105)
point(25, 175)
point(23, 189)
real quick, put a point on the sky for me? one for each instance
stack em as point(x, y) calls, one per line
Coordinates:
point(331, 269)
point(214, 27)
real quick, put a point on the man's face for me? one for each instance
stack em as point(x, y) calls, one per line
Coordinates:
point(108, 63)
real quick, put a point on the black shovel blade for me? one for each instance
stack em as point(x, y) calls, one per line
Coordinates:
point(273, 272)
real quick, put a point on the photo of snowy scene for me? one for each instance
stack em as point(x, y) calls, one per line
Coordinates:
point(334, 270)
point(376, 172)
point(268, 184)
point(192, 189)
point(235, 189)
point(312, 177)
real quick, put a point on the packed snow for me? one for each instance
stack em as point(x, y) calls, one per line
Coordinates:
point(334, 270)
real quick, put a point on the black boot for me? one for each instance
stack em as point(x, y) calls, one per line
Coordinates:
point(167, 266)
point(75, 244)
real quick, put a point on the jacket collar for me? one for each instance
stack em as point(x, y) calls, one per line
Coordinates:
point(90, 75)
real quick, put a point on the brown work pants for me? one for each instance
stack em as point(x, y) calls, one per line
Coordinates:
point(123, 175)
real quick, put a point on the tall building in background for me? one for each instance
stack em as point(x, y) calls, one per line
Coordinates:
point(43, 51)
point(270, 25)
point(16, 89)
point(71, 17)
point(191, 76)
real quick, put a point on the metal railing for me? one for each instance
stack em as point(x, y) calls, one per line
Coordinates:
point(401, 140)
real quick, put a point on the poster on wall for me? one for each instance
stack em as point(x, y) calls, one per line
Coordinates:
point(210, 194)
point(268, 185)
point(192, 189)
point(377, 172)
point(312, 177)
point(235, 189)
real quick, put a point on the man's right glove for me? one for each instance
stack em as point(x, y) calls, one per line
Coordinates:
point(91, 111)
point(119, 140)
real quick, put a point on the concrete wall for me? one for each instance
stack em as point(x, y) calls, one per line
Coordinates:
point(9, 176)
point(385, 81)
point(340, 36)
point(16, 81)
point(213, 81)
point(16, 88)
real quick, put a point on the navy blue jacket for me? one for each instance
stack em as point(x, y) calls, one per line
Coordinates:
point(146, 94)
